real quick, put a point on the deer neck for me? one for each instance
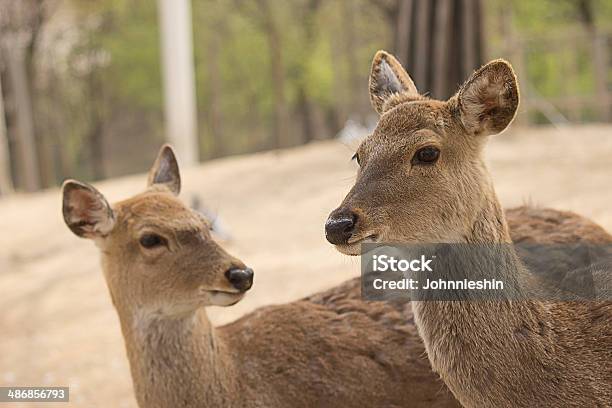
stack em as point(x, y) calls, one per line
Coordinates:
point(489, 225)
point(178, 361)
point(485, 334)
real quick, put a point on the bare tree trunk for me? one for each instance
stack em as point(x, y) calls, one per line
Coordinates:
point(278, 86)
point(277, 72)
point(44, 148)
point(513, 48)
point(481, 43)
point(422, 44)
point(96, 147)
point(96, 92)
point(439, 42)
point(402, 36)
point(391, 10)
point(44, 145)
point(305, 107)
point(351, 53)
point(440, 53)
point(215, 113)
point(469, 37)
point(601, 63)
point(29, 174)
point(599, 53)
point(336, 115)
point(6, 183)
point(304, 101)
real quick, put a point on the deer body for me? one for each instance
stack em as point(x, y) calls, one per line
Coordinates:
point(422, 179)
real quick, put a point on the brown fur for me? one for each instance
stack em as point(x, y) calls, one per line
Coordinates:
point(329, 350)
point(490, 354)
point(543, 225)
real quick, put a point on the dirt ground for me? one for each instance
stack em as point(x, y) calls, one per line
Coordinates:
point(58, 326)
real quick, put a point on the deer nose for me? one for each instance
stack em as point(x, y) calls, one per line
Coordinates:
point(339, 226)
point(241, 279)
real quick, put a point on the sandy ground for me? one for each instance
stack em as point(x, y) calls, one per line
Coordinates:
point(58, 327)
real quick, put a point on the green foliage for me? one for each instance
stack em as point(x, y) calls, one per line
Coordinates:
point(128, 31)
point(325, 49)
point(553, 40)
point(134, 50)
point(319, 73)
point(543, 15)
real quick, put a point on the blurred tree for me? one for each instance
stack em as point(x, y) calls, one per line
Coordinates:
point(270, 25)
point(350, 41)
point(601, 64)
point(440, 42)
point(93, 60)
point(309, 10)
point(6, 182)
point(561, 51)
point(115, 70)
point(215, 84)
point(271, 73)
point(20, 24)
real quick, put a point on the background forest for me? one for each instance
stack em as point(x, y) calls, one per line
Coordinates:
point(269, 74)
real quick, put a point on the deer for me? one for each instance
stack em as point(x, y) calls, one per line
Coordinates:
point(422, 178)
point(163, 270)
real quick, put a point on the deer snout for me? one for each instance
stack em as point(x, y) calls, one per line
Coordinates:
point(340, 226)
point(241, 279)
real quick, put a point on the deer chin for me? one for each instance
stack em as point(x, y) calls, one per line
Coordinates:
point(353, 247)
point(223, 298)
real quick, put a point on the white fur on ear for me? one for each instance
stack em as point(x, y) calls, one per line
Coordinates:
point(387, 79)
point(489, 99)
point(86, 211)
point(165, 170)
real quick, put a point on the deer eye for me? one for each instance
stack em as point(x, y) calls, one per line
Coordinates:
point(356, 158)
point(152, 241)
point(426, 155)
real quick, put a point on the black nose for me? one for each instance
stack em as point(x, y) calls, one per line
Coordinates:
point(241, 279)
point(340, 226)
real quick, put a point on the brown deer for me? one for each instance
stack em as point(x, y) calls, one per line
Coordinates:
point(162, 269)
point(422, 179)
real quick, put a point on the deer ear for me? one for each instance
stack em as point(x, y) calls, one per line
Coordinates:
point(165, 171)
point(388, 78)
point(86, 211)
point(489, 99)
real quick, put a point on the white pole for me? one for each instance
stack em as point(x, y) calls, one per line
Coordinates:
point(179, 78)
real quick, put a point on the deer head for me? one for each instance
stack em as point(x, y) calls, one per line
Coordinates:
point(157, 254)
point(421, 174)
